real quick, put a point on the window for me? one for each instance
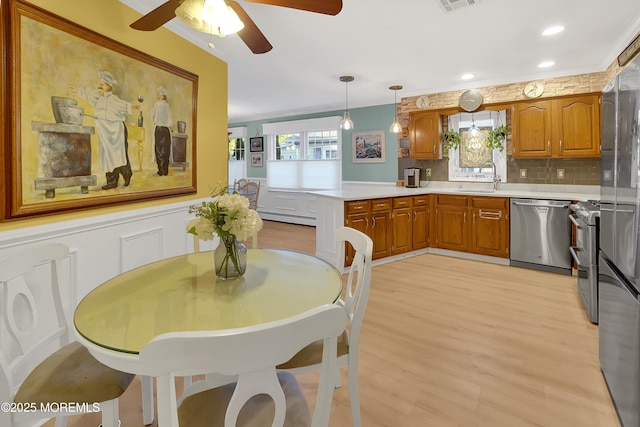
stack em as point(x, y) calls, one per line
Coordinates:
point(237, 156)
point(304, 154)
point(471, 161)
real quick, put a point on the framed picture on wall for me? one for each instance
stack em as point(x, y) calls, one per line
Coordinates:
point(368, 147)
point(69, 148)
point(256, 144)
point(256, 160)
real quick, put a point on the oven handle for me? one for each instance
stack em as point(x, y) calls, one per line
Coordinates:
point(575, 222)
point(574, 253)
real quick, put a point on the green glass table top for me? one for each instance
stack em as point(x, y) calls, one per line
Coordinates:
point(183, 294)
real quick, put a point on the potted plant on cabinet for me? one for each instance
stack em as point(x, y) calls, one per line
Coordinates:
point(450, 140)
point(496, 138)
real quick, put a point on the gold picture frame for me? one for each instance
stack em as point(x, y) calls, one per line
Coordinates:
point(67, 143)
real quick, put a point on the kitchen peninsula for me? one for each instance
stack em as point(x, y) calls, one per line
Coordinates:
point(409, 221)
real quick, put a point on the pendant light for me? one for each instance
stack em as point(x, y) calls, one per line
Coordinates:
point(473, 129)
point(396, 127)
point(346, 122)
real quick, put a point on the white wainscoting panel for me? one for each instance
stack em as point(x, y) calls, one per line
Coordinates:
point(140, 249)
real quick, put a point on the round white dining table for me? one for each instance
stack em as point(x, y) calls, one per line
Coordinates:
point(120, 316)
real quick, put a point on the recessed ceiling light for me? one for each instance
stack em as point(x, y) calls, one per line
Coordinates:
point(467, 76)
point(553, 30)
point(546, 64)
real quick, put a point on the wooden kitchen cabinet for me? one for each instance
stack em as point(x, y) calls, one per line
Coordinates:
point(421, 221)
point(490, 226)
point(357, 214)
point(424, 135)
point(373, 218)
point(381, 228)
point(561, 127)
point(402, 225)
point(452, 229)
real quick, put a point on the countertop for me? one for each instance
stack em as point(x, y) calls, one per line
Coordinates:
point(358, 191)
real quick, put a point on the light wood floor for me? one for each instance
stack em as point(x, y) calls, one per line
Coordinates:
point(451, 342)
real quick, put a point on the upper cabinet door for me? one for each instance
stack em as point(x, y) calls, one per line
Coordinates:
point(564, 127)
point(424, 135)
point(531, 125)
point(578, 126)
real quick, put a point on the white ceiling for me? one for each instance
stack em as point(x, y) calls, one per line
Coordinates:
point(412, 43)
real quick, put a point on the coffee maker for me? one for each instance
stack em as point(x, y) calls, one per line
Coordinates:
point(412, 177)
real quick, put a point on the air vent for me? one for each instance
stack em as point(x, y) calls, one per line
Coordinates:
point(451, 5)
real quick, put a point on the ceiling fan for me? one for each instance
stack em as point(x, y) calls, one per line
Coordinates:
point(191, 12)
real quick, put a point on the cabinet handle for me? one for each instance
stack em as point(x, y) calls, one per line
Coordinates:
point(366, 222)
point(561, 146)
point(490, 215)
point(474, 217)
point(549, 145)
point(465, 217)
point(373, 223)
point(358, 207)
point(434, 149)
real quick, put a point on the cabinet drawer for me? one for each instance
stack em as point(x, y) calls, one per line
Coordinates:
point(380, 205)
point(451, 200)
point(490, 202)
point(357, 206)
point(402, 202)
point(420, 200)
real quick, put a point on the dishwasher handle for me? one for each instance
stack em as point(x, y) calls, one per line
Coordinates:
point(541, 203)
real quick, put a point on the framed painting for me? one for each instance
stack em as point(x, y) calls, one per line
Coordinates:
point(256, 160)
point(368, 147)
point(94, 122)
point(256, 144)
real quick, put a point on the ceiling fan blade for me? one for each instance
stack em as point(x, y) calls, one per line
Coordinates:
point(157, 17)
point(328, 7)
point(250, 34)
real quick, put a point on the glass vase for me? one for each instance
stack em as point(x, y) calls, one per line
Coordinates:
point(230, 258)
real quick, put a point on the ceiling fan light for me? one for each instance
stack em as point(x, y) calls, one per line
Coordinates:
point(221, 17)
point(190, 12)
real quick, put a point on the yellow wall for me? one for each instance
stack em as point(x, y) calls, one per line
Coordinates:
point(111, 18)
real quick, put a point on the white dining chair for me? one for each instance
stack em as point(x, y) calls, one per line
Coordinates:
point(356, 296)
point(40, 364)
point(147, 381)
point(251, 353)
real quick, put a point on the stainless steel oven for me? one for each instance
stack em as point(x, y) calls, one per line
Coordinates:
point(586, 219)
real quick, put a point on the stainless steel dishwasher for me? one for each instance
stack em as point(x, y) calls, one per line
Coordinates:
point(541, 235)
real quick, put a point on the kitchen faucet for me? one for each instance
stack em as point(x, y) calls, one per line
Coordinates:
point(496, 179)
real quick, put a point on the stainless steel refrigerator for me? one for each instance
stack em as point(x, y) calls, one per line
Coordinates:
point(619, 268)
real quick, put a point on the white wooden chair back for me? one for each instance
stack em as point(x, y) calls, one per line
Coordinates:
point(35, 298)
point(252, 353)
point(34, 319)
point(358, 281)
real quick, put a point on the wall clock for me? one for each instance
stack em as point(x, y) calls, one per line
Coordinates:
point(423, 102)
point(470, 100)
point(533, 89)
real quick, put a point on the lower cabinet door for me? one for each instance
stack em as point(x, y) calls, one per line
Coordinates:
point(489, 232)
point(451, 228)
point(381, 232)
point(360, 222)
point(402, 230)
point(420, 227)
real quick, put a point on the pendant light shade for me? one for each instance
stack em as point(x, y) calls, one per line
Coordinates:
point(395, 127)
point(346, 122)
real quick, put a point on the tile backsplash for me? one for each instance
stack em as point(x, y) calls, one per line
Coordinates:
point(576, 171)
